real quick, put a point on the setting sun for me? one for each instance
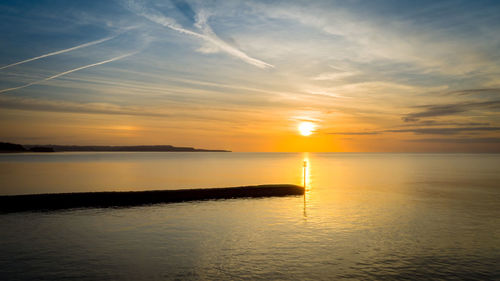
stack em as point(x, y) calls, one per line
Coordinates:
point(306, 128)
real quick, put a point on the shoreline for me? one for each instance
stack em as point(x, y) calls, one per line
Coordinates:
point(60, 201)
point(6, 147)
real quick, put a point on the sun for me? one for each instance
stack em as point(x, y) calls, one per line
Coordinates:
point(306, 128)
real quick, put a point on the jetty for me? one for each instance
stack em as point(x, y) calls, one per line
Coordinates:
point(58, 201)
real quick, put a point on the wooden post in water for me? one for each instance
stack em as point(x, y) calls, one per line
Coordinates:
point(305, 166)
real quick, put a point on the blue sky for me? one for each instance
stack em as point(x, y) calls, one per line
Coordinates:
point(241, 75)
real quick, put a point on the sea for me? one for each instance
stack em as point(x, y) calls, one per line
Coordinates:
point(364, 216)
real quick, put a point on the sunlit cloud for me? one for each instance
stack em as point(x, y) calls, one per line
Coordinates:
point(325, 93)
point(30, 104)
point(333, 76)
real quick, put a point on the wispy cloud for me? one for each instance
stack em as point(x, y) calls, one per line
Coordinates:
point(207, 34)
point(426, 131)
point(211, 37)
point(457, 140)
point(434, 123)
point(67, 72)
point(356, 133)
point(476, 91)
point(444, 131)
point(400, 36)
point(181, 115)
point(333, 76)
point(73, 107)
point(324, 93)
point(449, 109)
point(60, 51)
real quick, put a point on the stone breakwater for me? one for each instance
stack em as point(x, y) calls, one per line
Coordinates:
point(58, 201)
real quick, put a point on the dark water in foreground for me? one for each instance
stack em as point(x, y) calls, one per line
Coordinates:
point(364, 216)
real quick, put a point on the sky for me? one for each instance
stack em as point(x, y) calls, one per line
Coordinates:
point(368, 76)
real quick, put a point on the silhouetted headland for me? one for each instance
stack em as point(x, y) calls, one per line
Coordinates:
point(57, 201)
point(11, 147)
point(41, 149)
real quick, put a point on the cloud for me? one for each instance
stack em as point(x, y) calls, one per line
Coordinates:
point(324, 93)
point(444, 131)
point(66, 72)
point(180, 114)
point(430, 123)
point(333, 76)
point(449, 109)
point(401, 36)
point(207, 34)
point(60, 52)
point(476, 91)
point(458, 140)
point(356, 133)
point(425, 131)
point(73, 107)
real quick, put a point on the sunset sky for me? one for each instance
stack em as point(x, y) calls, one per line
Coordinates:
point(402, 76)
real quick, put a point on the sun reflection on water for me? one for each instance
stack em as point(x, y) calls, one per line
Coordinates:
point(306, 172)
point(306, 179)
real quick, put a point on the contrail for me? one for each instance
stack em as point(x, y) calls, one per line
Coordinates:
point(66, 72)
point(208, 34)
point(60, 51)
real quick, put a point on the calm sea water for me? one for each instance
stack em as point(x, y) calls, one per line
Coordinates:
point(364, 217)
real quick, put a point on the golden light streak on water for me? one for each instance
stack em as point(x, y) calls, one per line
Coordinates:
point(306, 179)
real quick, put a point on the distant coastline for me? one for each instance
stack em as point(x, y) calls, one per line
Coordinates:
point(15, 148)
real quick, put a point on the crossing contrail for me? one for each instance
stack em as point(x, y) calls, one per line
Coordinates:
point(208, 35)
point(60, 51)
point(66, 72)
